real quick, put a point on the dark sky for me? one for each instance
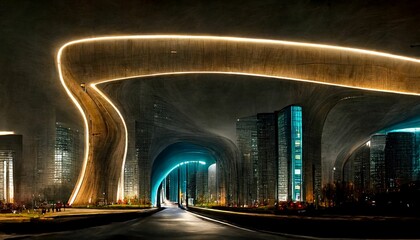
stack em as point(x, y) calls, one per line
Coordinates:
point(32, 31)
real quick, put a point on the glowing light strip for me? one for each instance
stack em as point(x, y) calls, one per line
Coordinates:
point(120, 192)
point(413, 129)
point(83, 171)
point(250, 40)
point(6, 133)
point(256, 75)
point(217, 38)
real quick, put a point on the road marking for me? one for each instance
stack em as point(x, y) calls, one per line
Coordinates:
point(221, 222)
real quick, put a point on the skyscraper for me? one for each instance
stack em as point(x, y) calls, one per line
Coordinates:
point(362, 170)
point(67, 162)
point(202, 190)
point(10, 167)
point(267, 157)
point(377, 163)
point(289, 147)
point(399, 159)
point(144, 132)
point(246, 133)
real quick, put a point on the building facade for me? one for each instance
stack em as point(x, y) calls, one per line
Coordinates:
point(400, 159)
point(267, 158)
point(289, 147)
point(67, 162)
point(247, 139)
point(377, 163)
point(10, 167)
point(362, 170)
point(271, 149)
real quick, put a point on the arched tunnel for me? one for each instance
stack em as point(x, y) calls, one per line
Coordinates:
point(175, 156)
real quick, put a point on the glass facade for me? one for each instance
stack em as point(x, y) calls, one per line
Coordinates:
point(67, 158)
point(283, 120)
point(377, 163)
point(289, 146)
point(6, 175)
point(399, 159)
point(296, 152)
point(361, 159)
point(246, 133)
point(267, 156)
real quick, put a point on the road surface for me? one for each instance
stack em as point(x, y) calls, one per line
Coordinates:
point(170, 223)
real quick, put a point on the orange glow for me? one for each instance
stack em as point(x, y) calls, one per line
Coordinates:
point(6, 133)
point(120, 192)
point(85, 159)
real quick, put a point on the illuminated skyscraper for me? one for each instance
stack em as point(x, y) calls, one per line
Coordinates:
point(362, 170)
point(377, 163)
point(267, 158)
point(271, 151)
point(289, 147)
point(202, 178)
point(246, 134)
point(212, 184)
point(399, 159)
point(10, 165)
point(67, 162)
point(131, 177)
point(144, 132)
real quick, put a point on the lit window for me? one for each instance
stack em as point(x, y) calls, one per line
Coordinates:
point(297, 157)
point(297, 171)
point(297, 187)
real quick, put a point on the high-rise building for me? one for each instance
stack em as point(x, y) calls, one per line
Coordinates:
point(246, 133)
point(10, 167)
point(362, 170)
point(67, 162)
point(202, 178)
point(271, 150)
point(212, 184)
point(267, 157)
point(290, 159)
point(377, 163)
point(144, 132)
point(399, 159)
point(131, 178)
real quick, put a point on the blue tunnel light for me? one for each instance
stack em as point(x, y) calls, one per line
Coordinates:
point(173, 157)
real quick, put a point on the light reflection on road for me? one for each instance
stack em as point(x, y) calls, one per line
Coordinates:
point(170, 223)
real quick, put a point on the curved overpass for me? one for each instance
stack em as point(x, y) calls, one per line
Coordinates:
point(98, 60)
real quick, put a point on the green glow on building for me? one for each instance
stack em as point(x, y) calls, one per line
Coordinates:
point(290, 182)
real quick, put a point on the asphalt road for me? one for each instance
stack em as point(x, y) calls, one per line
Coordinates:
point(170, 223)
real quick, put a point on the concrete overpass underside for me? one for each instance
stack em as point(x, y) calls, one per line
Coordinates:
point(341, 91)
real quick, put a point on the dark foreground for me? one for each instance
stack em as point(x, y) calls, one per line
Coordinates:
point(371, 227)
point(170, 223)
point(174, 223)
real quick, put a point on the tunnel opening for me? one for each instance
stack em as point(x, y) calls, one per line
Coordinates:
point(173, 169)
